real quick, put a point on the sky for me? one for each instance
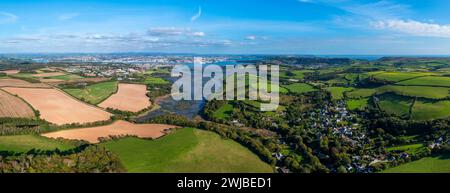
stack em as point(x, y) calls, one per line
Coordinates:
point(319, 27)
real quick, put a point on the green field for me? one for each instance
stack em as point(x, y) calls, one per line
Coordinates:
point(410, 148)
point(357, 104)
point(337, 93)
point(155, 80)
point(430, 110)
point(186, 150)
point(224, 112)
point(299, 88)
point(65, 77)
point(296, 74)
point(435, 164)
point(394, 104)
point(417, 91)
point(361, 93)
point(399, 76)
point(428, 81)
point(95, 93)
point(24, 143)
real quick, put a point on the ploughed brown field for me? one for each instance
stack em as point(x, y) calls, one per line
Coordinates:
point(11, 106)
point(49, 74)
point(129, 97)
point(118, 128)
point(9, 82)
point(8, 72)
point(59, 108)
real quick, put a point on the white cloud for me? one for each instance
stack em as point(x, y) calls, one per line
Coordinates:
point(415, 28)
point(251, 37)
point(67, 16)
point(7, 18)
point(171, 31)
point(198, 15)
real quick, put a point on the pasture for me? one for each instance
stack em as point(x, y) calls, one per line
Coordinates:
point(11, 106)
point(361, 93)
point(95, 93)
point(337, 93)
point(224, 112)
point(398, 76)
point(186, 150)
point(129, 97)
point(426, 110)
point(428, 81)
point(416, 91)
point(434, 164)
point(300, 88)
point(394, 104)
point(59, 108)
point(357, 104)
point(118, 128)
point(25, 143)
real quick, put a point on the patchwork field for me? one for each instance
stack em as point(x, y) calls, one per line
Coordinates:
point(118, 128)
point(296, 74)
point(186, 150)
point(299, 88)
point(129, 97)
point(25, 143)
point(11, 106)
point(423, 110)
point(95, 93)
point(48, 74)
point(428, 81)
point(435, 164)
point(59, 108)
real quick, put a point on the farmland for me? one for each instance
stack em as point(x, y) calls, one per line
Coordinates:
point(187, 150)
point(417, 91)
point(224, 112)
point(398, 76)
point(426, 110)
point(357, 104)
point(129, 97)
point(394, 104)
point(428, 81)
point(59, 108)
point(95, 93)
point(118, 128)
point(24, 143)
point(337, 93)
point(435, 164)
point(11, 106)
point(299, 88)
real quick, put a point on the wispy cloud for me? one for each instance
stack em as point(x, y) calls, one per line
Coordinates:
point(172, 31)
point(198, 15)
point(6, 17)
point(415, 28)
point(67, 16)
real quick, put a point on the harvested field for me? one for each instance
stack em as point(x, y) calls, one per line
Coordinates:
point(129, 97)
point(8, 72)
point(11, 106)
point(49, 74)
point(9, 82)
point(59, 108)
point(118, 128)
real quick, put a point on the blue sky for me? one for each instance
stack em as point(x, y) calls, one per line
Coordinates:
point(364, 27)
